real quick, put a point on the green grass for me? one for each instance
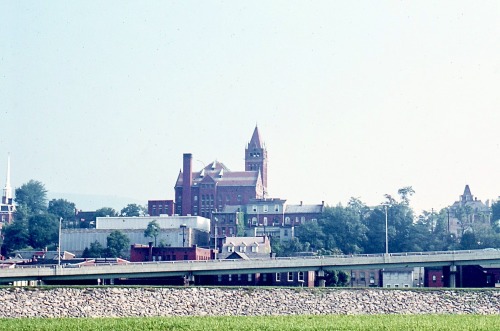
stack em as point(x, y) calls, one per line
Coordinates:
point(289, 323)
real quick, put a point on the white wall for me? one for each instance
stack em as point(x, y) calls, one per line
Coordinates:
point(165, 222)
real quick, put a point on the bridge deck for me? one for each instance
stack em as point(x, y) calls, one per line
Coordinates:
point(215, 267)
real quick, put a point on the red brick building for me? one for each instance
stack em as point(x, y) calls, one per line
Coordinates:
point(143, 253)
point(215, 186)
point(160, 207)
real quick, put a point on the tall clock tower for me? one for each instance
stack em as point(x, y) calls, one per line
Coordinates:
point(256, 157)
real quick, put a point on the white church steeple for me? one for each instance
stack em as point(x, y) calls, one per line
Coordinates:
point(7, 190)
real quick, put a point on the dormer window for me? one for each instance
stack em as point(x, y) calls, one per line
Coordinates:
point(230, 248)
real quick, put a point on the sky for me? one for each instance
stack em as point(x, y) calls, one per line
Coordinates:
point(352, 98)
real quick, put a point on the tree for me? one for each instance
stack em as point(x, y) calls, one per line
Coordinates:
point(16, 236)
point(96, 250)
point(106, 211)
point(344, 229)
point(495, 211)
point(133, 210)
point(43, 230)
point(117, 242)
point(153, 230)
point(62, 209)
point(312, 234)
point(34, 195)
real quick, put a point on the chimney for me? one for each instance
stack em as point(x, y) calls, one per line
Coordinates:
point(187, 182)
point(301, 203)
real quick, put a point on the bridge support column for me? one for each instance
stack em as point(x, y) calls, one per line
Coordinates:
point(321, 278)
point(188, 279)
point(453, 276)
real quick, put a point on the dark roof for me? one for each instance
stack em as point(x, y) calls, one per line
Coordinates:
point(218, 173)
point(231, 209)
point(303, 209)
point(256, 141)
point(237, 256)
point(467, 191)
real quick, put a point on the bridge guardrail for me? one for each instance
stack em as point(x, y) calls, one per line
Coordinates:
point(340, 256)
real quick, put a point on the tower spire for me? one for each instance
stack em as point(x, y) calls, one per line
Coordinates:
point(7, 191)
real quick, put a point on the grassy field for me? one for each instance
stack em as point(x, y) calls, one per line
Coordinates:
point(289, 323)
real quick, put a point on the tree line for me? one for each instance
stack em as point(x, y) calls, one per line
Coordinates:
point(36, 222)
point(359, 229)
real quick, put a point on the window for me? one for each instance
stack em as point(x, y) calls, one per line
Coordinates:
point(276, 207)
point(302, 219)
point(301, 276)
point(239, 197)
point(388, 285)
point(219, 278)
point(278, 277)
point(362, 276)
point(286, 233)
point(353, 275)
point(287, 220)
point(254, 208)
point(255, 249)
point(265, 208)
point(290, 276)
point(265, 221)
point(264, 277)
point(185, 257)
point(239, 277)
point(195, 198)
point(230, 248)
point(254, 220)
point(231, 230)
point(250, 277)
point(396, 285)
point(406, 285)
point(230, 277)
point(243, 249)
point(434, 278)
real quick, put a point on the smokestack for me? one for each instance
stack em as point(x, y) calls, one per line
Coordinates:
point(187, 182)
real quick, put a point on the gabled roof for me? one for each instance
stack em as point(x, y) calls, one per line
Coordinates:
point(247, 241)
point(237, 255)
point(218, 173)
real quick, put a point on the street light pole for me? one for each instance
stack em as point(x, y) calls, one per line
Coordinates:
point(59, 245)
point(386, 232)
point(215, 235)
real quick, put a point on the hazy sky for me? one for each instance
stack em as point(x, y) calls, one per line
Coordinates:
point(353, 98)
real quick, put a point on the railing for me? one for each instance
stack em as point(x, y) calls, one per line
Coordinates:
point(336, 256)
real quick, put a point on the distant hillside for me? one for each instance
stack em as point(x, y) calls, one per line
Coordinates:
point(88, 202)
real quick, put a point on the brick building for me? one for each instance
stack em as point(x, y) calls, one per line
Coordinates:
point(215, 186)
point(143, 253)
point(160, 207)
point(258, 248)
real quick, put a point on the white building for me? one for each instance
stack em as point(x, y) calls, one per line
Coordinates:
point(402, 277)
point(175, 231)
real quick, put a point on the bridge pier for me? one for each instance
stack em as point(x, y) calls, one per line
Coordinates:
point(321, 278)
point(453, 276)
point(189, 279)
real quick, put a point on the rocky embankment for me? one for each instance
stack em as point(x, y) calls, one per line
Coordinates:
point(118, 302)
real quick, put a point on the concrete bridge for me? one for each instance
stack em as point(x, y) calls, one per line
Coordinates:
point(216, 267)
